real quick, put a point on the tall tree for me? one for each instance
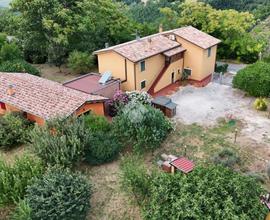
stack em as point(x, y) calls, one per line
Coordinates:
point(55, 27)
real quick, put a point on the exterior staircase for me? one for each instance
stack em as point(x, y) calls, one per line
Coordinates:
point(151, 90)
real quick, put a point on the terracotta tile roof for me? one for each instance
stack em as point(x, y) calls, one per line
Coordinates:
point(197, 37)
point(143, 48)
point(174, 51)
point(138, 50)
point(42, 97)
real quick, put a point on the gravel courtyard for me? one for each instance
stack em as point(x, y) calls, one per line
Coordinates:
point(206, 105)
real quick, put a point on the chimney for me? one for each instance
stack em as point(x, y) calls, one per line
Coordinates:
point(107, 45)
point(11, 90)
point(160, 28)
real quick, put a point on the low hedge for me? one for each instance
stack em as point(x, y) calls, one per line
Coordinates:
point(18, 66)
point(254, 79)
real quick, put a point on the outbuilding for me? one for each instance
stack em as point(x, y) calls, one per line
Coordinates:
point(166, 105)
point(40, 99)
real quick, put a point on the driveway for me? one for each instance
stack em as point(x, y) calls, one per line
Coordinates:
point(206, 105)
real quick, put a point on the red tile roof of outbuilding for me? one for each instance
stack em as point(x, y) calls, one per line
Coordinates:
point(41, 97)
point(183, 164)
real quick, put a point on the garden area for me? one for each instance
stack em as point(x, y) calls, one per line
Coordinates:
point(109, 169)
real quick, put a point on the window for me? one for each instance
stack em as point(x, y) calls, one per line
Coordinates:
point(209, 52)
point(142, 66)
point(143, 84)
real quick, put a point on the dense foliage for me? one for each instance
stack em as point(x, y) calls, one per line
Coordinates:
point(59, 194)
point(228, 25)
point(80, 62)
point(96, 123)
point(254, 79)
point(214, 192)
point(103, 143)
point(15, 178)
point(22, 211)
point(119, 100)
point(104, 148)
point(10, 52)
point(139, 97)
point(60, 142)
point(59, 27)
point(142, 126)
point(260, 8)
point(19, 66)
point(14, 129)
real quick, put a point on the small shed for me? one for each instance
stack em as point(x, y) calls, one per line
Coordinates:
point(166, 105)
point(183, 164)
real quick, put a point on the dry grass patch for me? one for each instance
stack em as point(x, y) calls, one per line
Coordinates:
point(109, 201)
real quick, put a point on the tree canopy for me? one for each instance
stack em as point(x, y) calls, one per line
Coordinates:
point(58, 27)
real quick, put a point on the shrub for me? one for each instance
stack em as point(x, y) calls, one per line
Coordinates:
point(142, 126)
point(14, 179)
point(260, 104)
point(60, 142)
point(18, 66)
point(22, 211)
point(10, 52)
point(97, 123)
point(214, 192)
point(14, 130)
point(227, 158)
point(104, 147)
point(221, 68)
point(140, 97)
point(254, 79)
point(80, 62)
point(59, 194)
point(118, 101)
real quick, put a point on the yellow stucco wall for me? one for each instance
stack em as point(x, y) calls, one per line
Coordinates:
point(115, 63)
point(197, 59)
point(166, 80)
point(153, 66)
point(209, 62)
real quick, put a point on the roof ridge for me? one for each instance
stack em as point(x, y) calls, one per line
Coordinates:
point(136, 40)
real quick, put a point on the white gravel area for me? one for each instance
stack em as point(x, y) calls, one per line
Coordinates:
point(205, 105)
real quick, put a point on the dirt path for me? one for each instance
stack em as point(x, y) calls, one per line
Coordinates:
point(109, 201)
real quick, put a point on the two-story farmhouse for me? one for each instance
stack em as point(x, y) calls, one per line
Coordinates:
point(154, 62)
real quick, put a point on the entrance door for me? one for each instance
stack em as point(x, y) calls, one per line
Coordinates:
point(173, 77)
